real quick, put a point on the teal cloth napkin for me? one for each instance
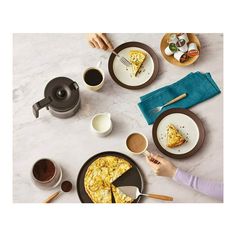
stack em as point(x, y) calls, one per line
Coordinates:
point(198, 86)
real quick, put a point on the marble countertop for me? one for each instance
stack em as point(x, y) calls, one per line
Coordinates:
point(37, 58)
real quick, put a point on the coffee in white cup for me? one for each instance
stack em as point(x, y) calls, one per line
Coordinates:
point(137, 144)
point(94, 77)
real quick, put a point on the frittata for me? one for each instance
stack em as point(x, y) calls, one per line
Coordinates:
point(174, 137)
point(100, 175)
point(119, 196)
point(136, 58)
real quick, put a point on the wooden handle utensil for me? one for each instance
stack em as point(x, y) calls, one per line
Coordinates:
point(176, 99)
point(159, 108)
point(161, 197)
point(52, 197)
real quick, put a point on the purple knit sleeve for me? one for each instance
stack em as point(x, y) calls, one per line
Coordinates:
point(210, 188)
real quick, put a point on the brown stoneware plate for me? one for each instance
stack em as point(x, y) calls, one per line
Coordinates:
point(192, 39)
point(122, 75)
point(132, 177)
point(189, 125)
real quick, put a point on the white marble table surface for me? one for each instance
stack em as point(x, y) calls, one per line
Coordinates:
point(40, 57)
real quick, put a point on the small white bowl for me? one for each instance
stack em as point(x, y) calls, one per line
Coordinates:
point(101, 124)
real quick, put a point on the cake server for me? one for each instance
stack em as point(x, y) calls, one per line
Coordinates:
point(133, 192)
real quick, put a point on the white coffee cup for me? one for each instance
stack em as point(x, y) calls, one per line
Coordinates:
point(142, 142)
point(98, 86)
point(101, 124)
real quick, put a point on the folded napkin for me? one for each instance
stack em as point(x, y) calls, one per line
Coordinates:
point(198, 87)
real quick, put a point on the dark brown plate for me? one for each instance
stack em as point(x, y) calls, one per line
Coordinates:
point(132, 177)
point(195, 119)
point(141, 46)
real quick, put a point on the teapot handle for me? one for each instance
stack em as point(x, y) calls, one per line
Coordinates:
point(75, 85)
point(39, 105)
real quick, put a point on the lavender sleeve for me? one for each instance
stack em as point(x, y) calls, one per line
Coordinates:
point(210, 188)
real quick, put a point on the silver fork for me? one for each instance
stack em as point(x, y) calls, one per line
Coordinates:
point(123, 60)
point(157, 109)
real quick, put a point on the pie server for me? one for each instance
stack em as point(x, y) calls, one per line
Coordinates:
point(133, 192)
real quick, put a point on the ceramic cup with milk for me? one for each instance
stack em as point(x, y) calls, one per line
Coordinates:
point(101, 124)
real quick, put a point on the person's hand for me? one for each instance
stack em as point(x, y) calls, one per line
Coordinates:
point(99, 40)
point(161, 166)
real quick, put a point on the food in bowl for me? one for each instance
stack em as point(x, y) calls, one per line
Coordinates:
point(192, 50)
point(185, 48)
point(171, 49)
point(180, 56)
point(183, 36)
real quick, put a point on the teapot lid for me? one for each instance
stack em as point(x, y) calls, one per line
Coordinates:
point(63, 92)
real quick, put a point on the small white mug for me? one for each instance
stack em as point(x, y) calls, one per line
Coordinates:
point(98, 86)
point(144, 151)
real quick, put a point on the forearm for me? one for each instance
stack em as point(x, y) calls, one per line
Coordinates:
point(210, 188)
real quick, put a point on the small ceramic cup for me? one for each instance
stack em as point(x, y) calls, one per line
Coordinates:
point(101, 124)
point(46, 174)
point(97, 86)
point(137, 144)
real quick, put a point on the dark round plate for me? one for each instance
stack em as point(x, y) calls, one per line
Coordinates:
point(195, 120)
point(132, 177)
point(141, 46)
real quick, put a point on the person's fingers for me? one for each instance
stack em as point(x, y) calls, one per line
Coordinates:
point(106, 40)
point(149, 162)
point(152, 159)
point(152, 162)
point(95, 43)
point(100, 42)
point(155, 167)
point(91, 44)
point(157, 171)
point(156, 158)
point(148, 159)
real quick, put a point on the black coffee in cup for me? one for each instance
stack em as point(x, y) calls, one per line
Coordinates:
point(44, 170)
point(46, 174)
point(93, 77)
